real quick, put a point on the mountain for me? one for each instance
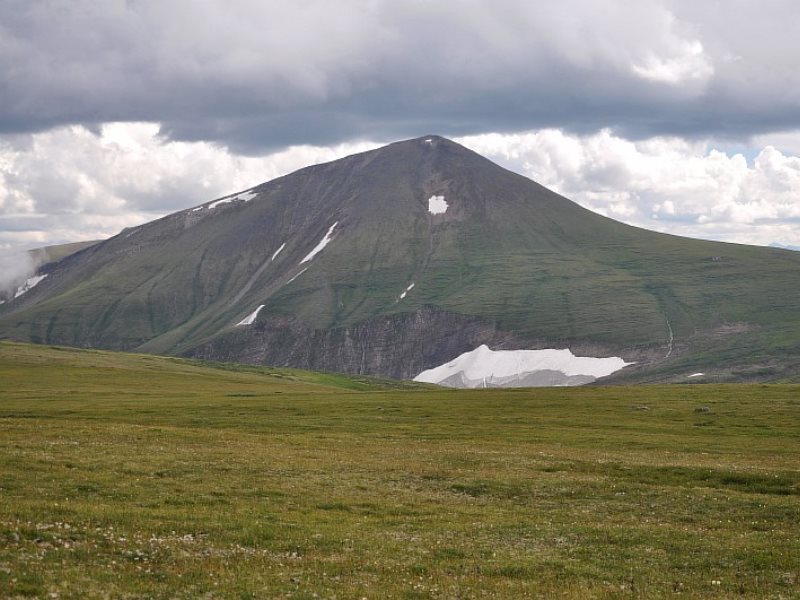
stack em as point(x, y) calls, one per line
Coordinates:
point(395, 261)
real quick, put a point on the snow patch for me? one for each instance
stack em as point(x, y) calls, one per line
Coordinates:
point(429, 141)
point(29, 284)
point(437, 205)
point(250, 319)
point(296, 276)
point(278, 251)
point(243, 197)
point(483, 367)
point(408, 289)
point(246, 196)
point(323, 242)
point(216, 203)
point(671, 340)
point(695, 375)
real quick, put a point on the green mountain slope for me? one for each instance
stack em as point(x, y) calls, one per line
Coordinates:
point(509, 263)
point(97, 374)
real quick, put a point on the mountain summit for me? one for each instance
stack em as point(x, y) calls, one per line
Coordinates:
point(397, 260)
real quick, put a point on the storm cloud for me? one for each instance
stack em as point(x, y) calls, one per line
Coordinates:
point(257, 76)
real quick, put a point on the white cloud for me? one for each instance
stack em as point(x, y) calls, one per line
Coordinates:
point(688, 64)
point(665, 184)
point(787, 142)
point(71, 184)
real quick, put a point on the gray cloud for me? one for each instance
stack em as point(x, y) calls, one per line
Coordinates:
point(257, 76)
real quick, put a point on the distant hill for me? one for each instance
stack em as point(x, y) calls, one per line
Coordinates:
point(399, 260)
point(55, 253)
point(18, 271)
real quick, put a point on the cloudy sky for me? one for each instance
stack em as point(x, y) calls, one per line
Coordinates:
point(679, 116)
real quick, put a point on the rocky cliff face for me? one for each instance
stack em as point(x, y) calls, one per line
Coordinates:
point(399, 346)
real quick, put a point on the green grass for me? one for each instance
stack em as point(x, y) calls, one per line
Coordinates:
point(138, 476)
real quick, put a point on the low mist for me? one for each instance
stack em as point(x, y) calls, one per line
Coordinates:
point(15, 268)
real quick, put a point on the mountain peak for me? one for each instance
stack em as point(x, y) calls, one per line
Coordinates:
point(426, 143)
point(433, 140)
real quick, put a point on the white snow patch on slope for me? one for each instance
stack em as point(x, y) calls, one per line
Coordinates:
point(695, 375)
point(29, 284)
point(246, 196)
point(437, 205)
point(278, 251)
point(408, 289)
point(296, 276)
point(483, 367)
point(429, 141)
point(218, 202)
point(250, 319)
point(243, 197)
point(323, 242)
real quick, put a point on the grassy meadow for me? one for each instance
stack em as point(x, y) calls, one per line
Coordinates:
point(134, 476)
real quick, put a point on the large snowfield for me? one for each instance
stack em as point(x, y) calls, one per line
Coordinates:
point(484, 367)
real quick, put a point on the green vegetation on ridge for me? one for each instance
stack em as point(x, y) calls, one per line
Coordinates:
point(141, 476)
